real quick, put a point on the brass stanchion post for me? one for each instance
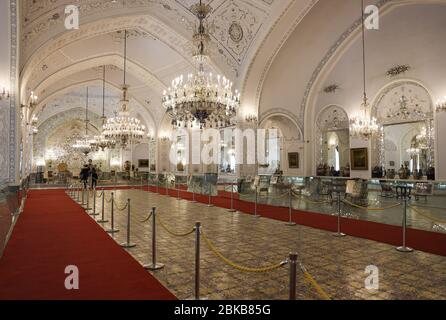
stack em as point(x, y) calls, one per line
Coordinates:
point(178, 191)
point(103, 209)
point(209, 199)
point(290, 219)
point(112, 222)
point(88, 200)
point(403, 248)
point(339, 233)
point(83, 196)
point(128, 244)
point(197, 260)
point(232, 199)
point(154, 265)
point(255, 204)
point(293, 276)
point(94, 214)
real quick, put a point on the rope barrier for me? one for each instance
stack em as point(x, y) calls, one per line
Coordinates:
point(427, 216)
point(280, 196)
point(305, 199)
point(100, 195)
point(371, 209)
point(121, 209)
point(237, 266)
point(314, 283)
point(176, 234)
point(146, 219)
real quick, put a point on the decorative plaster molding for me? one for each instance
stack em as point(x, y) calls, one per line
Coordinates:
point(13, 140)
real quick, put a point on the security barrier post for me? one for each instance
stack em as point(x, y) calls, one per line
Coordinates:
point(112, 222)
point(255, 204)
point(154, 265)
point(293, 270)
point(178, 191)
point(83, 196)
point(290, 220)
point(403, 248)
point(94, 214)
point(339, 233)
point(103, 209)
point(197, 260)
point(232, 199)
point(209, 197)
point(128, 244)
point(193, 194)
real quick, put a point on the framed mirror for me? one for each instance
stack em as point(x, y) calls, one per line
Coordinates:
point(334, 142)
point(405, 145)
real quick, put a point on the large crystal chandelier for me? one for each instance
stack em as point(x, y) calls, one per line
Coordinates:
point(364, 126)
point(83, 145)
point(100, 142)
point(202, 98)
point(123, 128)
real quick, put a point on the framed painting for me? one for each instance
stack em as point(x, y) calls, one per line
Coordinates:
point(143, 163)
point(359, 158)
point(293, 160)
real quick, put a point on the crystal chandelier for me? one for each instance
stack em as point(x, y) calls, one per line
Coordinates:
point(412, 151)
point(123, 128)
point(84, 144)
point(364, 126)
point(201, 98)
point(101, 142)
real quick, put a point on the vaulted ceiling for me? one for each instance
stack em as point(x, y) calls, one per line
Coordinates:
point(57, 64)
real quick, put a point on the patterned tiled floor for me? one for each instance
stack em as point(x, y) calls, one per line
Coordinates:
point(338, 264)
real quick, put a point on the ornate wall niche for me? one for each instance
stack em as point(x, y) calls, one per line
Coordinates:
point(332, 119)
point(402, 101)
point(290, 140)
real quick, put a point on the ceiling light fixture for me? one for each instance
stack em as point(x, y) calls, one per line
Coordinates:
point(202, 97)
point(123, 128)
point(364, 126)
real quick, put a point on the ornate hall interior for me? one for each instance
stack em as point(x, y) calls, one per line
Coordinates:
point(223, 149)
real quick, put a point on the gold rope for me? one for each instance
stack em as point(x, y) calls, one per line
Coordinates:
point(146, 219)
point(120, 209)
point(173, 232)
point(372, 209)
point(302, 197)
point(280, 196)
point(322, 294)
point(237, 266)
point(427, 216)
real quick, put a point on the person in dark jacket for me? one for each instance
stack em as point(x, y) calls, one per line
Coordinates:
point(94, 178)
point(85, 172)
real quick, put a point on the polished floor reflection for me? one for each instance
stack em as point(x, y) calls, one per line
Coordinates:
point(337, 264)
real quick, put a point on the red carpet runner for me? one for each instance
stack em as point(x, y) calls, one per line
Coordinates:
point(54, 232)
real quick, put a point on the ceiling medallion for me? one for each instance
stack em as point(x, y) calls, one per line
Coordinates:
point(236, 32)
point(201, 98)
point(397, 70)
point(331, 88)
